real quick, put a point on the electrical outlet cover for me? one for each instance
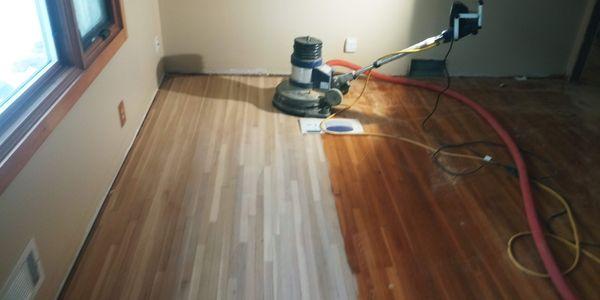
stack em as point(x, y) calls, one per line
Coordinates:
point(350, 45)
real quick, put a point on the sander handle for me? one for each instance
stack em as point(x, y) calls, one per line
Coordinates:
point(342, 81)
point(462, 23)
point(427, 43)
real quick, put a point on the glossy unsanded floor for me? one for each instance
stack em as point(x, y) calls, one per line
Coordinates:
point(413, 231)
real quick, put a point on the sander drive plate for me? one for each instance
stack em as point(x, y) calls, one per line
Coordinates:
point(304, 102)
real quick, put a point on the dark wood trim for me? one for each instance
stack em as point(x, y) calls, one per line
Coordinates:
point(64, 30)
point(99, 45)
point(115, 25)
point(586, 46)
point(33, 104)
point(18, 157)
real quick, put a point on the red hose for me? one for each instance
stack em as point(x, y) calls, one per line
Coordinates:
point(532, 218)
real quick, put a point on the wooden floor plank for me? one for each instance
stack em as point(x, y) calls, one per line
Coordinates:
point(221, 197)
point(216, 201)
point(414, 232)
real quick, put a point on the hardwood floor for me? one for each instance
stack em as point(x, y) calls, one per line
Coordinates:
point(414, 232)
point(221, 197)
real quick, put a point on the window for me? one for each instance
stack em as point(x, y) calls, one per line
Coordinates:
point(97, 22)
point(90, 14)
point(51, 51)
point(31, 51)
point(92, 19)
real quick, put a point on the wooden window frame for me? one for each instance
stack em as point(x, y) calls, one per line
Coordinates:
point(40, 108)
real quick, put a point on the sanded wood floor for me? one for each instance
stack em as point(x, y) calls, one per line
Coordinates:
point(414, 232)
point(221, 197)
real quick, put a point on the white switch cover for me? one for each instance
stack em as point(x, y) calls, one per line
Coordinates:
point(350, 45)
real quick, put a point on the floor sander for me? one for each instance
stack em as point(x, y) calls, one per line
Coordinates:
point(313, 88)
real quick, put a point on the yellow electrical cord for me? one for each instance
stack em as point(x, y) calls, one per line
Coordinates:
point(383, 135)
point(576, 245)
point(411, 50)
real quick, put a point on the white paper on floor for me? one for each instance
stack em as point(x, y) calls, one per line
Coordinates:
point(347, 126)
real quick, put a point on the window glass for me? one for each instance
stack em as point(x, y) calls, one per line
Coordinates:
point(27, 46)
point(90, 15)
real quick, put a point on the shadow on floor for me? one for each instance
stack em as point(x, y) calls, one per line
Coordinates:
point(253, 89)
point(257, 90)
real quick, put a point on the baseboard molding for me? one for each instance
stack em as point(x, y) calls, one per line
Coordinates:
point(454, 75)
point(224, 73)
point(100, 207)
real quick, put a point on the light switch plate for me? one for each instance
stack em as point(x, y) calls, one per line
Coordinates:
point(350, 45)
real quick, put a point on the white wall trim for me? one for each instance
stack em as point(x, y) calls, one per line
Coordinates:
point(107, 193)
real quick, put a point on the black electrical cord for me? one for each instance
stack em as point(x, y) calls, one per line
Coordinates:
point(512, 170)
point(435, 159)
point(531, 154)
point(439, 95)
point(509, 168)
point(548, 222)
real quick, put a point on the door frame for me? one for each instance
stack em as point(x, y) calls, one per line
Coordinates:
point(586, 45)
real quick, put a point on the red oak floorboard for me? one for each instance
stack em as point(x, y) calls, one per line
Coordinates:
point(412, 231)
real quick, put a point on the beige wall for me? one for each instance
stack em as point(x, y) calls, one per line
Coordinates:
point(531, 37)
point(56, 196)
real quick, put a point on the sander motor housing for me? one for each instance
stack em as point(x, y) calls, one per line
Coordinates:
point(312, 89)
point(308, 92)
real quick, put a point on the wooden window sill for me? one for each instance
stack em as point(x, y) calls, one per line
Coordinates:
point(21, 153)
